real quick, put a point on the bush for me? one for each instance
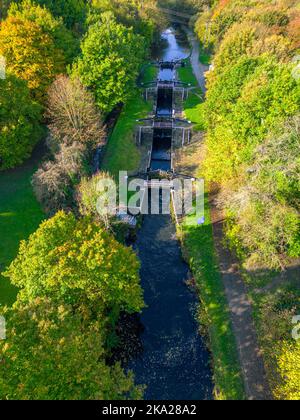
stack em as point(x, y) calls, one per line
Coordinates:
point(289, 371)
point(281, 352)
point(269, 96)
point(20, 118)
point(266, 210)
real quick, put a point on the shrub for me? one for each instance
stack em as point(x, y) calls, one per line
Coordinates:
point(266, 209)
point(289, 371)
point(89, 193)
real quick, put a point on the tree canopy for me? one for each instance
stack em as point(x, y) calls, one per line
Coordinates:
point(111, 57)
point(20, 119)
point(66, 360)
point(30, 53)
point(77, 261)
point(63, 39)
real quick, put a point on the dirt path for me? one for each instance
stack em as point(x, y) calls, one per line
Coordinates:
point(199, 69)
point(256, 384)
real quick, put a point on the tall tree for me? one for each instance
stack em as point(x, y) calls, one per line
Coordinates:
point(30, 53)
point(77, 261)
point(63, 38)
point(52, 353)
point(111, 56)
point(73, 114)
point(19, 122)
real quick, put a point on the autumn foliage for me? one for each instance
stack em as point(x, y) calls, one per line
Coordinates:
point(30, 54)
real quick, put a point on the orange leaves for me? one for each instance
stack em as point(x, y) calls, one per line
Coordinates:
point(30, 54)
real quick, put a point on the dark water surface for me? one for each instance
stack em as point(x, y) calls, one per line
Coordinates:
point(174, 364)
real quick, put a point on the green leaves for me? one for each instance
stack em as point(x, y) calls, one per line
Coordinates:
point(66, 360)
point(111, 57)
point(74, 281)
point(75, 261)
point(19, 122)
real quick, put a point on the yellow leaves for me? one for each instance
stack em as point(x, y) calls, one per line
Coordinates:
point(30, 53)
point(289, 370)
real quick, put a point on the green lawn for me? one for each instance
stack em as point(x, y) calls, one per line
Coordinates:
point(193, 106)
point(122, 153)
point(149, 74)
point(20, 215)
point(198, 247)
point(205, 58)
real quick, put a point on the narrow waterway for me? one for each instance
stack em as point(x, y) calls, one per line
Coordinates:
point(174, 364)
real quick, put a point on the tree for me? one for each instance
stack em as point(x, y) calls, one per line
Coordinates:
point(267, 98)
point(73, 114)
point(143, 16)
point(66, 360)
point(20, 118)
point(111, 56)
point(89, 193)
point(266, 210)
point(76, 261)
point(73, 12)
point(30, 53)
point(54, 27)
point(236, 43)
point(55, 180)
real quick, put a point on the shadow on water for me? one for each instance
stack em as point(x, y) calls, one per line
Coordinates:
point(174, 363)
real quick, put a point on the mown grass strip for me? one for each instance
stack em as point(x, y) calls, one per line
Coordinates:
point(20, 215)
point(193, 106)
point(122, 153)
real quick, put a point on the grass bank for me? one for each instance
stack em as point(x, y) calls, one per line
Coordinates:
point(122, 153)
point(205, 57)
point(199, 252)
point(20, 215)
point(193, 106)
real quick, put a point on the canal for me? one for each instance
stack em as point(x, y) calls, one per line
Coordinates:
point(174, 363)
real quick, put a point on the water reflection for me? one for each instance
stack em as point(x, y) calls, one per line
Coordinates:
point(177, 46)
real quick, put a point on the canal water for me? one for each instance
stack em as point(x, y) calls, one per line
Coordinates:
point(174, 363)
